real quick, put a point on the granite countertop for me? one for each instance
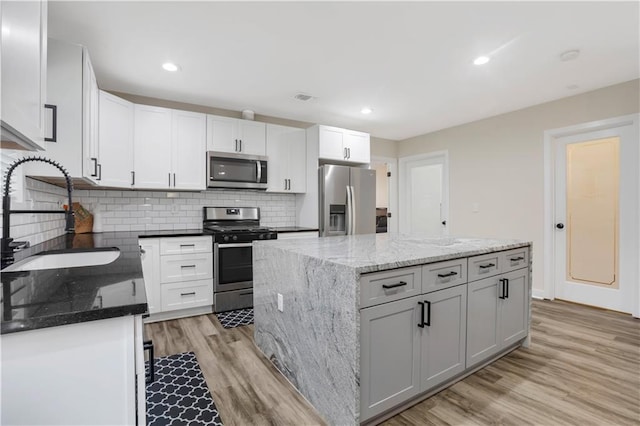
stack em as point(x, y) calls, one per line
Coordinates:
point(48, 298)
point(379, 252)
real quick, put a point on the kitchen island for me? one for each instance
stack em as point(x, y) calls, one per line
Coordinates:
point(366, 325)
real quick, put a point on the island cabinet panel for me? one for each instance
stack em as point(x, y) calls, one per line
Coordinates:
point(441, 275)
point(514, 323)
point(482, 320)
point(387, 286)
point(389, 355)
point(443, 336)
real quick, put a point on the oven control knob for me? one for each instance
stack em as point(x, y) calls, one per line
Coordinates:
point(235, 238)
point(225, 238)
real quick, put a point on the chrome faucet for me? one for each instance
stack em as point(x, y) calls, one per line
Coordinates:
point(8, 245)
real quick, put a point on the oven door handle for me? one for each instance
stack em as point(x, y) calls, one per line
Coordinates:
point(224, 246)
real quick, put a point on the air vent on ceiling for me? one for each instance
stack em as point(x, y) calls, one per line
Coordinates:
point(303, 97)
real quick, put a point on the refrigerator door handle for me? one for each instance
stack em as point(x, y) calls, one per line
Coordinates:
point(354, 215)
point(348, 230)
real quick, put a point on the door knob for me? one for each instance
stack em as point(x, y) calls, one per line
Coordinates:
point(560, 225)
point(444, 222)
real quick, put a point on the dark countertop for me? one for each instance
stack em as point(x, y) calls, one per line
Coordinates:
point(285, 229)
point(48, 298)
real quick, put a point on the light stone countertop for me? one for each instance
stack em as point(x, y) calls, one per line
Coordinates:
point(379, 252)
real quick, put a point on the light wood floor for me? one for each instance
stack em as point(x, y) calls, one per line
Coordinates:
point(583, 368)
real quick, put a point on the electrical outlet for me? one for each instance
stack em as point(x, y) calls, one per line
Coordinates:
point(280, 303)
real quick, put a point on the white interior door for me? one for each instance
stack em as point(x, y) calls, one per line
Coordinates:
point(596, 217)
point(424, 183)
point(386, 194)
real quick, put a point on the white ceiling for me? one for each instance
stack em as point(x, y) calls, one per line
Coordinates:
point(411, 62)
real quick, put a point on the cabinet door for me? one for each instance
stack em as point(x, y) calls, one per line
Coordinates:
point(331, 143)
point(389, 355)
point(189, 150)
point(358, 146)
point(24, 71)
point(297, 160)
point(483, 335)
point(152, 147)
point(150, 258)
point(116, 141)
point(90, 114)
point(222, 134)
point(514, 311)
point(252, 137)
point(278, 153)
point(444, 338)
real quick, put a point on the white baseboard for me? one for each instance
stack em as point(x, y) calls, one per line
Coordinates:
point(537, 293)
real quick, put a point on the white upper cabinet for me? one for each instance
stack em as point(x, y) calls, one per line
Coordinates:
point(116, 141)
point(286, 149)
point(345, 146)
point(189, 148)
point(152, 147)
point(73, 92)
point(169, 148)
point(236, 136)
point(24, 73)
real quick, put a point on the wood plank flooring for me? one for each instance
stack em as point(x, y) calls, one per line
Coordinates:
point(583, 368)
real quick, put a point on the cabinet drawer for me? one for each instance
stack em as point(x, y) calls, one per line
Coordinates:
point(515, 259)
point(437, 276)
point(383, 287)
point(186, 267)
point(184, 245)
point(187, 295)
point(484, 265)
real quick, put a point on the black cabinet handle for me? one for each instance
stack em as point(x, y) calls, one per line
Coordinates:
point(515, 259)
point(240, 145)
point(506, 282)
point(95, 167)
point(187, 245)
point(450, 274)
point(148, 346)
point(502, 282)
point(169, 179)
point(192, 293)
point(421, 323)
point(54, 123)
point(174, 180)
point(428, 323)
point(400, 284)
point(133, 178)
point(99, 172)
point(187, 266)
point(488, 265)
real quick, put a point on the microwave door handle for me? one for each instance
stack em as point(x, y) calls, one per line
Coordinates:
point(259, 166)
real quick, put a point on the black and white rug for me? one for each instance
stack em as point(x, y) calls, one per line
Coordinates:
point(179, 394)
point(236, 318)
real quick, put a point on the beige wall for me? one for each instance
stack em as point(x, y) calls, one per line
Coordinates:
point(383, 148)
point(498, 163)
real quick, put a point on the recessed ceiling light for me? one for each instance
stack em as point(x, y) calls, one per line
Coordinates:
point(170, 66)
point(366, 110)
point(481, 60)
point(569, 55)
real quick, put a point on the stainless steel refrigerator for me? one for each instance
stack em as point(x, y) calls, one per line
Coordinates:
point(347, 200)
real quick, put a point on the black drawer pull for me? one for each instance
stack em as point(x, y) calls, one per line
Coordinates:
point(193, 293)
point(488, 265)
point(148, 346)
point(421, 323)
point(248, 293)
point(187, 245)
point(515, 259)
point(450, 274)
point(388, 286)
point(187, 266)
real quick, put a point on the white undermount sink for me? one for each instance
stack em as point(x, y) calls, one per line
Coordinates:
point(72, 259)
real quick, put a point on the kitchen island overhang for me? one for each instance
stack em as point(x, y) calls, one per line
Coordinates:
point(326, 285)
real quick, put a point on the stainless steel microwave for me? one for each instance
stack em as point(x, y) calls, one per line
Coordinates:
point(236, 171)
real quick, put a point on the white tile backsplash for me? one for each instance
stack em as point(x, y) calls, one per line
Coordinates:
point(140, 210)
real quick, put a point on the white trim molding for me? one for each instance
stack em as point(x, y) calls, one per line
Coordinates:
point(550, 136)
point(392, 163)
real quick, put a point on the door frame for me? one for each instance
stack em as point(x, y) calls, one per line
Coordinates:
point(392, 194)
point(402, 184)
point(549, 290)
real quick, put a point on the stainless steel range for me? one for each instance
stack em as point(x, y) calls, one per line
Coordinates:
point(233, 230)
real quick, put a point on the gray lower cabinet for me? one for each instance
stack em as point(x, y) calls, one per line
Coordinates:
point(443, 336)
point(498, 311)
point(410, 346)
point(389, 355)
